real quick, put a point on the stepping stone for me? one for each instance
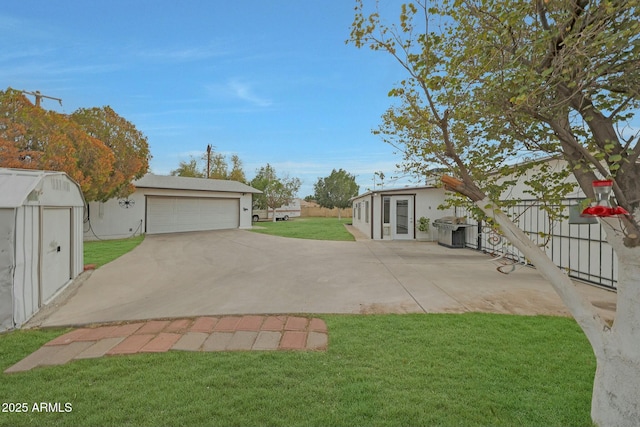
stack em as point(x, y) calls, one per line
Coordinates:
point(191, 341)
point(228, 333)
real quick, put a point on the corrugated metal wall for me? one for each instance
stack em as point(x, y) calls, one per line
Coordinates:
point(77, 240)
point(7, 221)
point(26, 278)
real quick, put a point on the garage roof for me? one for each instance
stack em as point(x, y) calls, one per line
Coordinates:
point(17, 184)
point(186, 183)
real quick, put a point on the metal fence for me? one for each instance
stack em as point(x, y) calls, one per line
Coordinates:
point(579, 249)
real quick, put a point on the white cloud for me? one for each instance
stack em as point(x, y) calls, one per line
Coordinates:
point(239, 90)
point(245, 92)
point(181, 54)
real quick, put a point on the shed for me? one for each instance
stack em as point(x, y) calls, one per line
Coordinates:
point(395, 214)
point(41, 244)
point(170, 204)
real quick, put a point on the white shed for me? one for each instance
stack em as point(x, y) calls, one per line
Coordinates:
point(395, 214)
point(41, 245)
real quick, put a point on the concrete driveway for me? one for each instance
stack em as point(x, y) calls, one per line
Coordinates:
point(240, 272)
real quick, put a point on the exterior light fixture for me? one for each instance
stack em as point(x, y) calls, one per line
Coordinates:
point(602, 208)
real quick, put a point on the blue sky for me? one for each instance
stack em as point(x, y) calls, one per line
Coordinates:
point(271, 81)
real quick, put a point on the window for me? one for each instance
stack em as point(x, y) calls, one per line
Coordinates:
point(386, 210)
point(366, 211)
point(402, 216)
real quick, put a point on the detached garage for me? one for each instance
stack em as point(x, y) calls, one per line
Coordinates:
point(41, 245)
point(171, 214)
point(170, 204)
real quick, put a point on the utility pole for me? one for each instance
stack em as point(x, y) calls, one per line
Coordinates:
point(39, 97)
point(208, 160)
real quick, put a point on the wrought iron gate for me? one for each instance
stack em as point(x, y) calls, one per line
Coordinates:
point(579, 249)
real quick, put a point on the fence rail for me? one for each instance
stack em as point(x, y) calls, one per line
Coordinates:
point(307, 211)
point(579, 249)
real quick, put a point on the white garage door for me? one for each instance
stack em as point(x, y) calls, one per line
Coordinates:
point(174, 214)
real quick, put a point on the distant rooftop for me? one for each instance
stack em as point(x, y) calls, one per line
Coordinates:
point(199, 184)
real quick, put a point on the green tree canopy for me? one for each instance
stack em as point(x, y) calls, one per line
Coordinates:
point(237, 173)
point(276, 192)
point(336, 190)
point(188, 169)
point(218, 167)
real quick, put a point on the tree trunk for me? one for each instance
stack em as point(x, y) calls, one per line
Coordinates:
point(339, 214)
point(616, 388)
point(616, 399)
point(274, 214)
point(580, 307)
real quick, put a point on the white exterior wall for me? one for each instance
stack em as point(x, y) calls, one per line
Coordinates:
point(246, 202)
point(77, 240)
point(360, 219)
point(109, 220)
point(26, 279)
point(425, 204)
point(7, 226)
point(21, 266)
point(518, 190)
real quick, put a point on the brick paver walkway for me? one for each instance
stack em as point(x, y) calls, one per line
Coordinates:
point(227, 333)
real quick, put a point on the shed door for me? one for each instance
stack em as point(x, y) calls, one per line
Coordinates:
point(175, 214)
point(402, 217)
point(55, 250)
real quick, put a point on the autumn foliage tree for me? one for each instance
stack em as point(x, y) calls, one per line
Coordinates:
point(128, 145)
point(102, 155)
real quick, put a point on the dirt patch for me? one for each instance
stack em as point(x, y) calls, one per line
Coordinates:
point(605, 305)
point(379, 308)
point(521, 301)
point(525, 302)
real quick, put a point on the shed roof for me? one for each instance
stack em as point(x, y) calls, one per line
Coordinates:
point(391, 191)
point(187, 183)
point(17, 184)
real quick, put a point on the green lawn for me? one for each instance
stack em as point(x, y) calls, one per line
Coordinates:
point(307, 228)
point(382, 370)
point(101, 252)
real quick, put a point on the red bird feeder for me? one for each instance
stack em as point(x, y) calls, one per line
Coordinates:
point(603, 208)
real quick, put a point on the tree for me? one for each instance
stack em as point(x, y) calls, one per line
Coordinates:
point(276, 192)
point(188, 169)
point(33, 138)
point(236, 174)
point(218, 167)
point(336, 190)
point(498, 79)
point(128, 145)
